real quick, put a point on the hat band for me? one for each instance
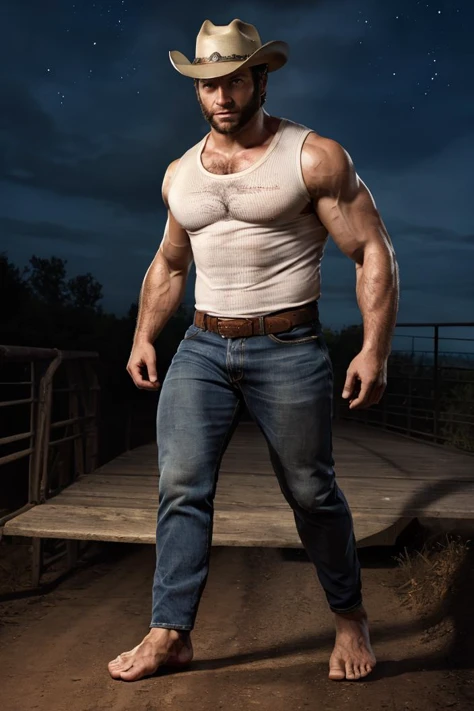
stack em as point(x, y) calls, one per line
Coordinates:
point(217, 57)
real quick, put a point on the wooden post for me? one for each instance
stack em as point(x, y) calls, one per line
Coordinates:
point(37, 456)
point(32, 485)
point(45, 404)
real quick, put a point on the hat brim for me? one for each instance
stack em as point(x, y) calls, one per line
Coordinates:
point(274, 53)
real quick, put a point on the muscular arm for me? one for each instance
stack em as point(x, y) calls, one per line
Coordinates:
point(165, 280)
point(347, 210)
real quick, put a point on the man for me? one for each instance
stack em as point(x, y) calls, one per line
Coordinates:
point(252, 204)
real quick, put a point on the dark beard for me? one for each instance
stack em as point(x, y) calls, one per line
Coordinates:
point(246, 113)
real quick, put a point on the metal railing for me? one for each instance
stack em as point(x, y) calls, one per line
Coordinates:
point(429, 394)
point(49, 417)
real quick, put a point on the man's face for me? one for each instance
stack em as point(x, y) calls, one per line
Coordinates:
point(228, 103)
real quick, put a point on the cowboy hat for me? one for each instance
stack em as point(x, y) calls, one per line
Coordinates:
point(222, 49)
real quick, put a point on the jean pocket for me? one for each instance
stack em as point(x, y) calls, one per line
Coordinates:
point(302, 333)
point(192, 332)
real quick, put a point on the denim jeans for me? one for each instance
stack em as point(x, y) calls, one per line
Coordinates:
point(286, 382)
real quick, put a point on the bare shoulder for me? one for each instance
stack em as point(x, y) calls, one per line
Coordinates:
point(324, 163)
point(171, 169)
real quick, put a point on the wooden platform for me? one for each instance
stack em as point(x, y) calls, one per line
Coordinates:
point(387, 479)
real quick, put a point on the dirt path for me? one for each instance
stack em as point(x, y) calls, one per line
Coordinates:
point(262, 640)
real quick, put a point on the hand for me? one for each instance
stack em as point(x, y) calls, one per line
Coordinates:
point(371, 370)
point(142, 363)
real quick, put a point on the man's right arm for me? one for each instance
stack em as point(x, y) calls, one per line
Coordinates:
point(161, 294)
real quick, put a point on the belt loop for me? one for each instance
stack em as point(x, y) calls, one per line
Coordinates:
point(261, 324)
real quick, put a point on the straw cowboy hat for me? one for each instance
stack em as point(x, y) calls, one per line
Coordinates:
point(221, 49)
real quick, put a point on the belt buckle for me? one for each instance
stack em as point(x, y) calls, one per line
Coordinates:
point(223, 322)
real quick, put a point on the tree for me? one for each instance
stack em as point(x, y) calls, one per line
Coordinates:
point(84, 291)
point(47, 280)
point(12, 281)
point(15, 298)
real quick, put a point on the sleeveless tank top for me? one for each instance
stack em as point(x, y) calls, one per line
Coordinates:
point(254, 250)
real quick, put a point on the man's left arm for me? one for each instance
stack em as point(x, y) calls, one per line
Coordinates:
point(345, 206)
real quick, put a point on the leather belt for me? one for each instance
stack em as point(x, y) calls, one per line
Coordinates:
point(257, 325)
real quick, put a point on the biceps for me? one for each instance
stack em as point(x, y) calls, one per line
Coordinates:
point(353, 220)
point(175, 245)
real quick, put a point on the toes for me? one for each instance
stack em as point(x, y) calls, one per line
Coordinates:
point(336, 671)
point(366, 669)
point(350, 673)
point(136, 671)
point(114, 673)
point(119, 665)
point(117, 662)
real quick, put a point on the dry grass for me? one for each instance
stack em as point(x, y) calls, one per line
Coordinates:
point(432, 574)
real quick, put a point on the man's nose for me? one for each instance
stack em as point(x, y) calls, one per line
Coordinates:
point(223, 97)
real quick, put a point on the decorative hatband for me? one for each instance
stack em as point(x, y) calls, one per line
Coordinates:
point(216, 57)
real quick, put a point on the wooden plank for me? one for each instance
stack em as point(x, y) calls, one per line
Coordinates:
point(231, 528)
point(379, 472)
point(358, 450)
point(249, 492)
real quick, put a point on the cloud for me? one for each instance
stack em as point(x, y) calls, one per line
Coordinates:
point(37, 154)
point(48, 230)
point(434, 190)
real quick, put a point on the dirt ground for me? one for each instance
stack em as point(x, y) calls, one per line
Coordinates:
point(262, 640)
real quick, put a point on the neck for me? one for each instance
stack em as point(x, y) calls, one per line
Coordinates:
point(252, 134)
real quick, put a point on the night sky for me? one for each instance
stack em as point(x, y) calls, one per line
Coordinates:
point(93, 111)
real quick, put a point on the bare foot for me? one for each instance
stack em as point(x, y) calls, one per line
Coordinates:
point(160, 647)
point(353, 657)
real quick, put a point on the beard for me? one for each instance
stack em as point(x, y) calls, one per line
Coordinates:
point(235, 123)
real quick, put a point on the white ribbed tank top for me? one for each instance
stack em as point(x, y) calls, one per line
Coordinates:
point(254, 251)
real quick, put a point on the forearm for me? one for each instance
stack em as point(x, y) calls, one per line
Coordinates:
point(377, 290)
point(161, 294)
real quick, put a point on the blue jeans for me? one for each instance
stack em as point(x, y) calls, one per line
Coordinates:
point(286, 382)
